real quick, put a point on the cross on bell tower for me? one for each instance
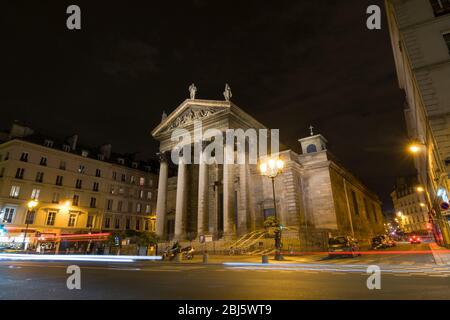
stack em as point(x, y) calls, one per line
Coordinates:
point(313, 143)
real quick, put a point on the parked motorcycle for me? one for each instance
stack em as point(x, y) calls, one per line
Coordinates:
point(188, 253)
point(172, 252)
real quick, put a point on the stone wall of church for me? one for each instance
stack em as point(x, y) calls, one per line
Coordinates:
point(365, 213)
point(318, 200)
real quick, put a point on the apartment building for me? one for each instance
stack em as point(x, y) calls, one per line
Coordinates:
point(410, 206)
point(420, 39)
point(53, 189)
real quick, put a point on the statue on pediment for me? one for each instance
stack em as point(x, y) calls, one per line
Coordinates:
point(192, 91)
point(227, 93)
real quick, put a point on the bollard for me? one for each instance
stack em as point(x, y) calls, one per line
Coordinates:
point(205, 258)
point(265, 259)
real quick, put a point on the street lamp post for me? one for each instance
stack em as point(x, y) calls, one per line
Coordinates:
point(31, 205)
point(272, 168)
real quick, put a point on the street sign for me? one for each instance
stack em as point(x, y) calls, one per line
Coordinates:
point(205, 238)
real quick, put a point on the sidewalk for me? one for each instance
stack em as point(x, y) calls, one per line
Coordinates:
point(220, 259)
point(441, 255)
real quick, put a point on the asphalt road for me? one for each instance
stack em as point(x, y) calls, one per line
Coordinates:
point(334, 279)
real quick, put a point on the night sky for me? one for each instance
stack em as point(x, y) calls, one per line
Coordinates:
point(290, 64)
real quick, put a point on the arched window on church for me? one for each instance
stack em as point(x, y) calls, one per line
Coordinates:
point(311, 148)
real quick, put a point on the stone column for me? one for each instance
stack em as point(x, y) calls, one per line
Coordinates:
point(228, 208)
point(202, 217)
point(243, 200)
point(161, 202)
point(180, 209)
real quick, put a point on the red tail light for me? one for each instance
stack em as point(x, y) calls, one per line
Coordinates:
point(410, 239)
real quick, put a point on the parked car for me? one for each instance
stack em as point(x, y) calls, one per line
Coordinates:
point(379, 242)
point(343, 246)
point(390, 241)
point(382, 241)
point(415, 240)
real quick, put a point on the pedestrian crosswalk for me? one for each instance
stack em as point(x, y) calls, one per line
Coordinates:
point(396, 270)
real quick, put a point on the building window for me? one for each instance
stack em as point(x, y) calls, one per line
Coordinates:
point(130, 206)
point(440, 7)
point(138, 208)
point(148, 208)
point(141, 181)
point(19, 173)
point(7, 156)
point(447, 40)
point(43, 161)
point(55, 198)
point(85, 153)
point(311, 148)
point(149, 195)
point(355, 203)
point(15, 191)
point(98, 173)
point(81, 168)
point(72, 219)
point(59, 180)
point(90, 221)
point(79, 183)
point(95, 186)
point(146, 224)
point(75, 200)
point(138, 224)
point(66, 148)
point(117, 223)
point(40, 177)
point(93, 203)
point(132, 179)
point(114, 175)
point(29, 219)
point(141, 194)
point(62, 165)
point(127, 223)
point(48, 143)
point(150, 182)
point(119, 205)
point(120, 161)
point(2, 172)
point(8, 215)
point(35, 194)
point(123, 177)
point(24, 157)
point(109, 204)
point(107, 222)
point(51, 218)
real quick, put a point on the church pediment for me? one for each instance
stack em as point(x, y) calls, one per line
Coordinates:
point(186, 114)
point(188, 117)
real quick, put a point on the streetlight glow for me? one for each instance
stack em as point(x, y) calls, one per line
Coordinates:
point(420, 189)
point(32, 204)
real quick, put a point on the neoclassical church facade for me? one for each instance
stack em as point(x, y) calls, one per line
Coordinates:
point(313, 192)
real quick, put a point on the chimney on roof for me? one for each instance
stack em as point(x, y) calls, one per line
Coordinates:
point(19, 131)
point(105, 150)
point(73, 141)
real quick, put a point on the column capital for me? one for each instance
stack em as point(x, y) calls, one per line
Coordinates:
point(162, 156)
